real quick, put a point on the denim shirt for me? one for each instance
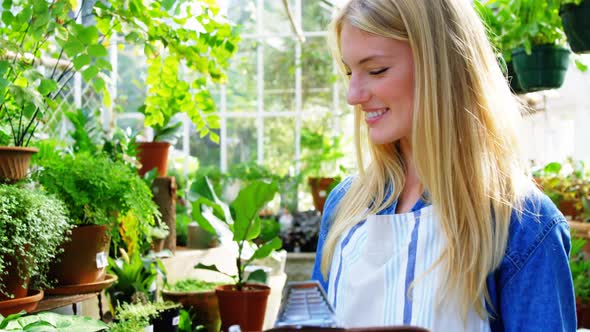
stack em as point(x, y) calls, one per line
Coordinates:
point(532, 288)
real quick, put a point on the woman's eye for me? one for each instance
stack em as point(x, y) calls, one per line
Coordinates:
point(379, 71)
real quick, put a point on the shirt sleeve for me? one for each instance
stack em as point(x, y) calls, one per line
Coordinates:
point(534, 288)
point(329, 210)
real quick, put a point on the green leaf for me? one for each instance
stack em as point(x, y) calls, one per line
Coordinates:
point(208, 267)
point(249, 202)
point(47, 86)
point(89, 35)
point(73, 48)
point(553, 168)
point(81, 61)
point(258, 276)
point(97, 50)
point(167, 4)
point(7, 17)
point(90, 73)
point(198, 216)
point(267, 248)
point(4, 65)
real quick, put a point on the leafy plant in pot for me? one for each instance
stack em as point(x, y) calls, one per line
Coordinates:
point(32, 227)
point(574, 17)
point(27, 95)
point(243, 302)
point(580, 267)
point(99, 193)
point(199, 299)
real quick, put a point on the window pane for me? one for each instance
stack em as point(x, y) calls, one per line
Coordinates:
point(276, 19)
point(207, 151)
point(131, 89)
point(243, 13)
point(241, 84)
point(241, 141)
point(317, 75)
point(316, 15)
point(279, 74)
point(279, 144)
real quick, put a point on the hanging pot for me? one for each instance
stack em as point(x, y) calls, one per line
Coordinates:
point(14, 162)
point(513, 79)
point(152, 155)
point(543, 69)
point(576, 24)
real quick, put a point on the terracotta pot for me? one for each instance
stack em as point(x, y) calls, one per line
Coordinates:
point(84, 257)
point(245, 308)
point(153, 154)
point(28, 303)
point(203, 307)
point(583, 313)
point(319, 191)
point(13, 282)
point(14, 162)
point(157, 245)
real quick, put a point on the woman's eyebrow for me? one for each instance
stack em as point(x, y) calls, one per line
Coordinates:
point(367, 59)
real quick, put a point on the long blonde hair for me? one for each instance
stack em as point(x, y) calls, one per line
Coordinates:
point(464, 140)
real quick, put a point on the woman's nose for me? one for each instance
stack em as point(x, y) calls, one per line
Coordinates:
point(357, 93)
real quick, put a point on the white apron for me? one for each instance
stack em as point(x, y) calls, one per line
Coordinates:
point(374, 264)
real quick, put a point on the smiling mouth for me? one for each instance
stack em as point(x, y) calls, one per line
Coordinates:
point(376, 114)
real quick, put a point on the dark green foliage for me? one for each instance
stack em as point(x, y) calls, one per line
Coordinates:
point(49, 321)
point(32, 227)
point(580, 267)
point(192, 285)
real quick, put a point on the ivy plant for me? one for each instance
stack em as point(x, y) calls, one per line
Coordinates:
point(32, 227)
point(187, 45)
point(42, 47)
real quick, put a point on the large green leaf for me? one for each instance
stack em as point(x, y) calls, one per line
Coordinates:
point(267, 248)
point(249, 202)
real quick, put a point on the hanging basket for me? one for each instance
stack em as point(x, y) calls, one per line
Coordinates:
point(576, 24)
point(513, 79)
point(543, 69)
point(14, 162)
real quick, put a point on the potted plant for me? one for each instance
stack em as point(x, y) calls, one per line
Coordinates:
point(320, 154)
point(32, 227)
point(574, 17)
point(169, 48)
point(99, 193)
point(136, 278)
point(198, 298)
point(162, 316)
point(29, 95)
point(540, 59)
point(243, 302)
point(157, 235)
point(580, 267)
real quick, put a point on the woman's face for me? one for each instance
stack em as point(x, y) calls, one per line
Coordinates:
point(381, 72)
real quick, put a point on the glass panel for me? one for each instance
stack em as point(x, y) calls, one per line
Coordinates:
point(276, 19)
point(317, 75)
point(243, 13)
point(279, 144)
point(279, 74)
point(241, 141)
point(241, 83)
point(316, 15)
point(207, 151)
point(131, 89)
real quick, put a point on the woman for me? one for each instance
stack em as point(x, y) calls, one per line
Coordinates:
point(442, 228)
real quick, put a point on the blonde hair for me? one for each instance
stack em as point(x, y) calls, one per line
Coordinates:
point(464, 140)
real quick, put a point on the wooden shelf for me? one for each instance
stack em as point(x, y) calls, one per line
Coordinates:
point(50, 302)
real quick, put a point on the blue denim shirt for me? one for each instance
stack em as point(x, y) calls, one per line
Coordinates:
point(532, 289)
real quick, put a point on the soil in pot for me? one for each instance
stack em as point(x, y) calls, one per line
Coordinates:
point(202, 307)
point(245, 308)
point(84, 259)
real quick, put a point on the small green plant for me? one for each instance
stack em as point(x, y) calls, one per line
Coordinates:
point(136, 276)
point(32, 227)
point(580, 267)
point(320, 153)
point(140, 311)
point(49, 321)
point(129, 326)
point(159, 232)
point(241, 218)
point(192, 285)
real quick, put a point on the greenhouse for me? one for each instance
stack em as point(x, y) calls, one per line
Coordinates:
point(282, 165)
